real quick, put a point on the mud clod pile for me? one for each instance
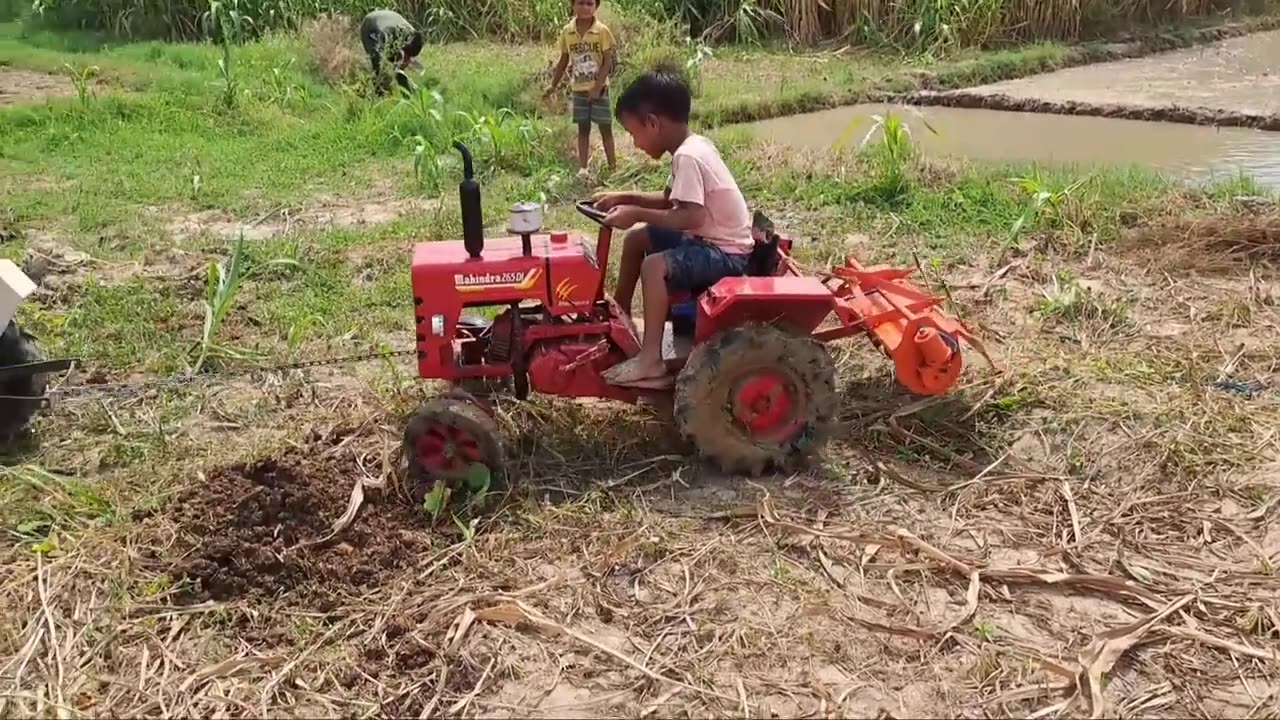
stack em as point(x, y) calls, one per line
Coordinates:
point(255, 529)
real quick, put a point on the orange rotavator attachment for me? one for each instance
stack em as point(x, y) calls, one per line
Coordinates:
point(904, 322)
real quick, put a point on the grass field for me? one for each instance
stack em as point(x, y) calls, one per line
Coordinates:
point(1089, 531)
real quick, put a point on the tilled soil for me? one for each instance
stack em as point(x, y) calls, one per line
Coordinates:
point(22, 86)
point(260, 529)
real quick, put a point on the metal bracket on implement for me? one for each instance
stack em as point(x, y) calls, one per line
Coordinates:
point(36, 368)
point(906, 323)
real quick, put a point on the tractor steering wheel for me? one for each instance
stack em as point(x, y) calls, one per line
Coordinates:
point(588, 208)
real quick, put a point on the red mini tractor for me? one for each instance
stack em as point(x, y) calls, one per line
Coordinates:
point(757, 390)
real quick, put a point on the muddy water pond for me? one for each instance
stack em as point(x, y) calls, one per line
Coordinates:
point(1241, 74)
point(1194, 152)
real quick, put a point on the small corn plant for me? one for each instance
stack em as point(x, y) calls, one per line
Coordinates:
point(1046, 201)
point(222, 282)
point(475, 487)
point(896, 140)
point(514, 140)
point(426, 165)
point(81, 78)
point(226, 24)
point(889, 159)
point(280, 86)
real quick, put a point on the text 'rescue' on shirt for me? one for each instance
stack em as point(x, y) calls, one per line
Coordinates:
point(586, 53)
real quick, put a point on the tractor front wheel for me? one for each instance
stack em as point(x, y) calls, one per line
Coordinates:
point(757, 397)
point(452, 442)
point(17, 348)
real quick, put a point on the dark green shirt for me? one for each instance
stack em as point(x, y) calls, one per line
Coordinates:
point(385, 22)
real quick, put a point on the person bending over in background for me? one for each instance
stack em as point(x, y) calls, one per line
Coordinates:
point(391, 40)
point(586, 50)
point(695, 232)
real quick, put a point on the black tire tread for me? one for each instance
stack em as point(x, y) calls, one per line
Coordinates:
point(700, 408)
point(458, 413)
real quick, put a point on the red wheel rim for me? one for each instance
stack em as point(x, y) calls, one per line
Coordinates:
point(445, 448)
point(766, 405)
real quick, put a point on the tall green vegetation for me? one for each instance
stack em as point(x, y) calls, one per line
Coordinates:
point(180, 19)
point(225, 24)
point(922, 25)
point(12, 9)
point(912, 25)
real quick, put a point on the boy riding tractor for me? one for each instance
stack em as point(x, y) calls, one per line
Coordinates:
point(756, 391)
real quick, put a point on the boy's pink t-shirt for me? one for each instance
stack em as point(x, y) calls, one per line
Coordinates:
point(699, 176)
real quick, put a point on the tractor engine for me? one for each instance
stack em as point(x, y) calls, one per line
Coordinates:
point(572, 367)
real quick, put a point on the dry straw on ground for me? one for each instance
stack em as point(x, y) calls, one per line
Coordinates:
point(335, 50)
point(1091, 532)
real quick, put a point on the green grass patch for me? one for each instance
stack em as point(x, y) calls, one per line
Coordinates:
point(38, 506)
point(155, 141)
point(116, 325)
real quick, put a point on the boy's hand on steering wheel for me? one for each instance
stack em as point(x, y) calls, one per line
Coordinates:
point(607, 200)
point(622, 217)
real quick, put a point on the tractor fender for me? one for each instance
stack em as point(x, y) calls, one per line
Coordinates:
point(797, 302)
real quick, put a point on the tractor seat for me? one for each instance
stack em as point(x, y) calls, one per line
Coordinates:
point(762, 262)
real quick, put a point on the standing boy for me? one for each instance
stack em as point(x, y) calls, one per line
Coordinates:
point(695, 232)
point(587, 50)
point(388, 37)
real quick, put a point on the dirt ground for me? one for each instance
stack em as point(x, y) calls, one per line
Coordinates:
point(1087, 529)
point(1090, 532)
point(324, 213)
point(269, 528)
point(23, 86)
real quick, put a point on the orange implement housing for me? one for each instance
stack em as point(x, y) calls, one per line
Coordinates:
point(907, 324)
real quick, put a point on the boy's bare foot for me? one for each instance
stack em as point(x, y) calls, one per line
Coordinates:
point(636, 370)
point(665, 382)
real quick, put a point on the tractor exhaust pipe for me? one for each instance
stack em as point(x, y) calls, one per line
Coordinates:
point(469, 195)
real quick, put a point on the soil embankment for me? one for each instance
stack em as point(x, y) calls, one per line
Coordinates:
point(973, 99)
point(1140, 111)
point(983, 71)
point(1231, 83)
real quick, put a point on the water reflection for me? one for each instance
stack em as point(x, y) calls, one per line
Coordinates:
point(1192, 151)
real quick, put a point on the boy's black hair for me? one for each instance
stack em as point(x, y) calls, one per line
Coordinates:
point(661, 91)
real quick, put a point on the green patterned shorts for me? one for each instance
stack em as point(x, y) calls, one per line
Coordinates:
point(591, 111)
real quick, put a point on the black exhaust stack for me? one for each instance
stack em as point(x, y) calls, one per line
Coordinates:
point(472, 217)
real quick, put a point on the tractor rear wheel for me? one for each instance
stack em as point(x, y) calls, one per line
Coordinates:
point(17, 348)
point(445, 441)
point(757, 397)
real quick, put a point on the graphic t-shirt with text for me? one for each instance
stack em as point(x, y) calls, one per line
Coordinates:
point(586, 53)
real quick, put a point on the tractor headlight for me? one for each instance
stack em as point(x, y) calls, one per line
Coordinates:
point(437, 325)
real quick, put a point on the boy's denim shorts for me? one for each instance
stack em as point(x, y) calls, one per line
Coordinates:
point(586, 111)
point(693, 263)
